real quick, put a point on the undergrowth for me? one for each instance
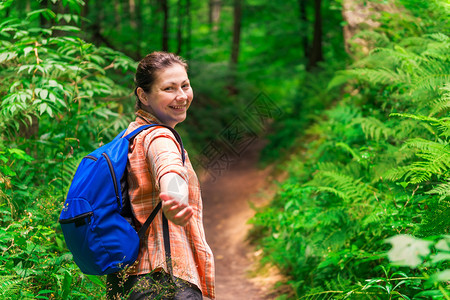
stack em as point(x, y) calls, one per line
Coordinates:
point(374, 169)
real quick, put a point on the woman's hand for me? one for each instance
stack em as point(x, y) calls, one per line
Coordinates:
point(177, 212)
point(174, 195)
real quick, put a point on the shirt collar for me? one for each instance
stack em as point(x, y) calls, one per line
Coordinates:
point(147, 117)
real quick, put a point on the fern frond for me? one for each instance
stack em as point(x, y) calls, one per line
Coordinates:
point(374, 218)
point(379, 76)
point(353, 152)
point(377, 39)
point(330, 166)
point(322, 295)
point(443, 124)
point(420, 172)
point(391, 58)
point(439, 46)
point(396, 173)
point(442, 103)
point(433, 148)
point(435, 161)
point(10, 287)
point(69, 168)
point(442, 189)
point(406, 128)
point(374, 128)
point(344, 186)
point(344, 114)
point(353, 169)
point(413, 72)
point(334, 191)
point(440, 37)
point(431, 81)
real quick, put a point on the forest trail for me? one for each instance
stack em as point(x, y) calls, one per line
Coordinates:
point(226, 212)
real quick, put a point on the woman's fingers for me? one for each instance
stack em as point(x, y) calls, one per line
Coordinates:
point(164, 196)
point(184, 214)
point(177, 213)
point(182, 218)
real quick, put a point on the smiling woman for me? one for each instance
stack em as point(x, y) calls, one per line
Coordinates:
point(182, 268)
point(170, 95)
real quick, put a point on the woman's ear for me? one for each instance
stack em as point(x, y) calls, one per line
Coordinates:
point(142, 95)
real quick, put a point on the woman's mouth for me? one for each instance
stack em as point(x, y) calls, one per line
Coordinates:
point(178, 107)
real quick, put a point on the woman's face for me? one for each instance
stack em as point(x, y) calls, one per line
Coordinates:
point(170, 96)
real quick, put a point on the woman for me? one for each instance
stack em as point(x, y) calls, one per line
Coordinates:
point(156, 173)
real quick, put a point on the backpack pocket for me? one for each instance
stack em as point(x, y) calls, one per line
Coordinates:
point(76, 221)
point(75, 210)
point(79, 220)
point(88, 236)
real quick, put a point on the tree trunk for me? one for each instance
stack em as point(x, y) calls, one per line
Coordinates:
point(132, 9)
point(179, 27)
point(117, 11)
point(189, 29)
point(96, 30)
point(214, 14)
point(237, 12)
point(84, 14)
point(29, 130)
point(165, 31)
point(139, 27)
point(44, 22)
point(20, 8)
point(358, 16)
point(316, 51)
point(304, 27)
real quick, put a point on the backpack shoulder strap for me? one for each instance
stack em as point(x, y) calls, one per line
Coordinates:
point(135, 132)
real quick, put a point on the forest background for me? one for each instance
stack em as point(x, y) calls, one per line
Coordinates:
point(353, 97)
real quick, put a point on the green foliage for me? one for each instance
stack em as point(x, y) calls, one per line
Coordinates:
point(375, 165)
point(59, 98)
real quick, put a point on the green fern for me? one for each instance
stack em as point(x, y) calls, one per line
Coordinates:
point(442, 189)
point(11, 286)
point(373, 128)
point(442, 124)
point(382, 76)
point(416, 73)
point(344, 186)
point(323, 295)
point(436, 221)
point(435, 161)
point(69, 168)
point(441, 104)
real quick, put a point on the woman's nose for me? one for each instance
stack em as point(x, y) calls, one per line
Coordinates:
point(181, 95)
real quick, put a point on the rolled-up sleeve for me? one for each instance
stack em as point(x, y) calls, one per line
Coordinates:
point(163, 154)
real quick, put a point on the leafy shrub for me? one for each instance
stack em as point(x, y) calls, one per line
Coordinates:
point(57, 99)
point(377, 165)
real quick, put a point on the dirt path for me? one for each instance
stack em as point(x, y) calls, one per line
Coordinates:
point(226, 212)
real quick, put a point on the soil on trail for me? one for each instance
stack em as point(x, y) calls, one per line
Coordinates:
point(226, 201)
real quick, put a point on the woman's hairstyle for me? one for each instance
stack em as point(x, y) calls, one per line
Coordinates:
point(149, 66)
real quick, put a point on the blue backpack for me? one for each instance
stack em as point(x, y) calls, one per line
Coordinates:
point(95, 219)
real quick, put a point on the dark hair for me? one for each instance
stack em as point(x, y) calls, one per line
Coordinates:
point(149, 66)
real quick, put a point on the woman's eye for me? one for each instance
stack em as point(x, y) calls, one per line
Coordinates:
point(168, 88)
point(185, 86)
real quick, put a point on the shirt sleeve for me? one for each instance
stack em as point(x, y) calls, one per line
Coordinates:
point(163, 154)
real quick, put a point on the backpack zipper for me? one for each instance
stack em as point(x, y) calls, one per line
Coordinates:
point(91, 157)
point(111, 169)
point(78, 220)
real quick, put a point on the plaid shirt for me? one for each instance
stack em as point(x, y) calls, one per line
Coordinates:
point(156, 152)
